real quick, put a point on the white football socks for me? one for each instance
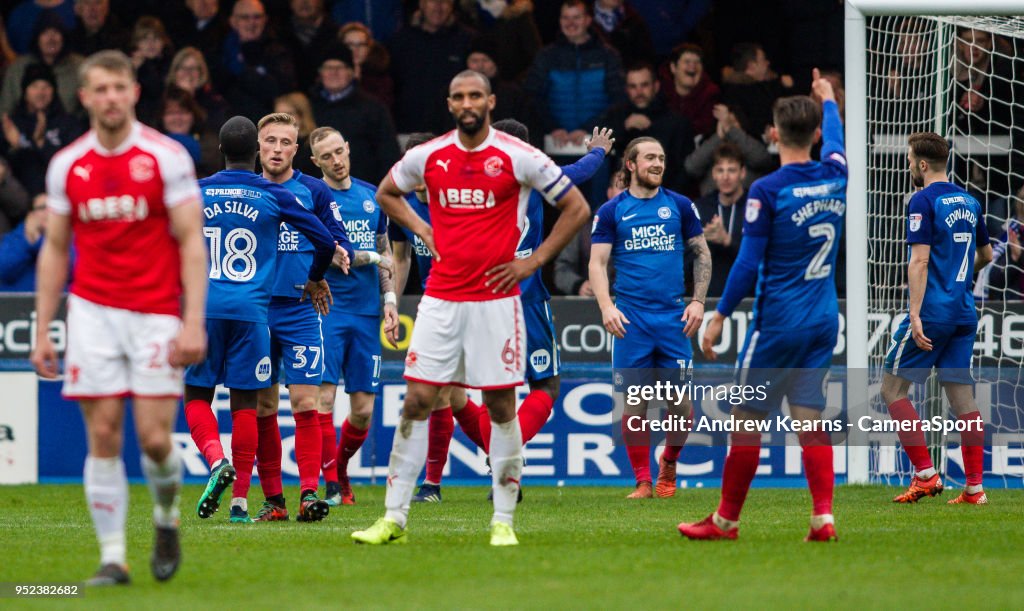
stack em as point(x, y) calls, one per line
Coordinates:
point(506, 468)
point(408, 456)
point(164, 480)
point(106, 491)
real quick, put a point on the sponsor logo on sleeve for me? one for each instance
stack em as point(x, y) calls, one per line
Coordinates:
point(753, 210)
point(693, 207)
point(915, 222)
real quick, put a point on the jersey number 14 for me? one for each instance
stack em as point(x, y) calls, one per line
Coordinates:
point(237, 262)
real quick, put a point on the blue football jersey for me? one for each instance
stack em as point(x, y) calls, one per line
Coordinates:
point(799, 208)
point(242, 212)
point(358, 292)
point(648, 238)
point(532, 289)
point(420, 252)
point(294, 250)
point(950, 220)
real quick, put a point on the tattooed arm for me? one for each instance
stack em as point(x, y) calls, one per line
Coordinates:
point(694, 314)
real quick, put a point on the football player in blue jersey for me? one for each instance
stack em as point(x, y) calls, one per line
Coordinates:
point(948, 243)
point(647, 229)
point(295, 334)
point(792, 225)
point(352, 329)
point(543, 362)
point(242, 213)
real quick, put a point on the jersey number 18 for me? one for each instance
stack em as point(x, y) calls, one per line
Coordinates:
point(238, 262)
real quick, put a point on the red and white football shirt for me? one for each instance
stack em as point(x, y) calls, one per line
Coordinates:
point(118, 199)
point(477, 202)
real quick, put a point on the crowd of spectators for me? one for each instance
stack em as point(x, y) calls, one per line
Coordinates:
point(379, 70)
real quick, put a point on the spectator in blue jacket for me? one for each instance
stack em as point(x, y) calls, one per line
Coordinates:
point(575, 79)
point(19, 249)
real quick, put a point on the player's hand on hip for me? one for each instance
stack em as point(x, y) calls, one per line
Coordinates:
point(693, 316)
point(601, 138)
point(44, 359)
point(711, 335)
point(341, 259)
point(320, 294)
point(427, 236)
point(917, 332)
point(821, 87)
point(391, 324)
point(189, 347)
point(614, 321)
point(503, 278)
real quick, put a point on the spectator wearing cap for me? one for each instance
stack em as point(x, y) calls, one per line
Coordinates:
point(363, 120)
point(512, 101)
point(511, 23)
point(308, 30)
point(24, 17)
point(576, 79)
point(645, 114)
point(425, 56)
point(688, 89)
point(255, 67)
point(38, 127)
point(48, 46)
point(97, 29)
point(372, 61)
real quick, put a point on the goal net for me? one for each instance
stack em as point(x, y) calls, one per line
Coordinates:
point(957, 76)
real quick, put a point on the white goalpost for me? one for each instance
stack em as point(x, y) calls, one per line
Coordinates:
point(953, 67)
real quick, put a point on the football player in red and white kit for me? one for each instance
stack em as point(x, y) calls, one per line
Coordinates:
point(128, 196)
point(469, 327)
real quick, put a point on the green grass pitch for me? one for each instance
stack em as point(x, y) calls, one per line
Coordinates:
point(580, 548)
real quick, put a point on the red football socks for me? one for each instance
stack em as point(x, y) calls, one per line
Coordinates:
point(639, 455)
point(972, 446)
point(534, 413)
point(307, 448)
point(469, 421)
point(244, 441)
point(352, 439)
point(442, 425)
point(203, 424)
point(817, 449)
point(912, 440)
point(739, 471)
point(328, 448)
point(268, 455)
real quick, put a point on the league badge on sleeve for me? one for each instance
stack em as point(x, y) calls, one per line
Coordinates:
point(753, 210)
point(915, 222)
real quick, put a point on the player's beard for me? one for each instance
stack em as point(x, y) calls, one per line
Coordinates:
point(916, 179)
point(648, 180)
point(472, 128)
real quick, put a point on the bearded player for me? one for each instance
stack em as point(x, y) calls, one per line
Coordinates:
point(470, 327)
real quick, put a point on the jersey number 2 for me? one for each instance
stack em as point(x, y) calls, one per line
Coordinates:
point(234, 256)
point(817, 268)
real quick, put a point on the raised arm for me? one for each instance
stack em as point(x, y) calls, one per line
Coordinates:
point(831, 122)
